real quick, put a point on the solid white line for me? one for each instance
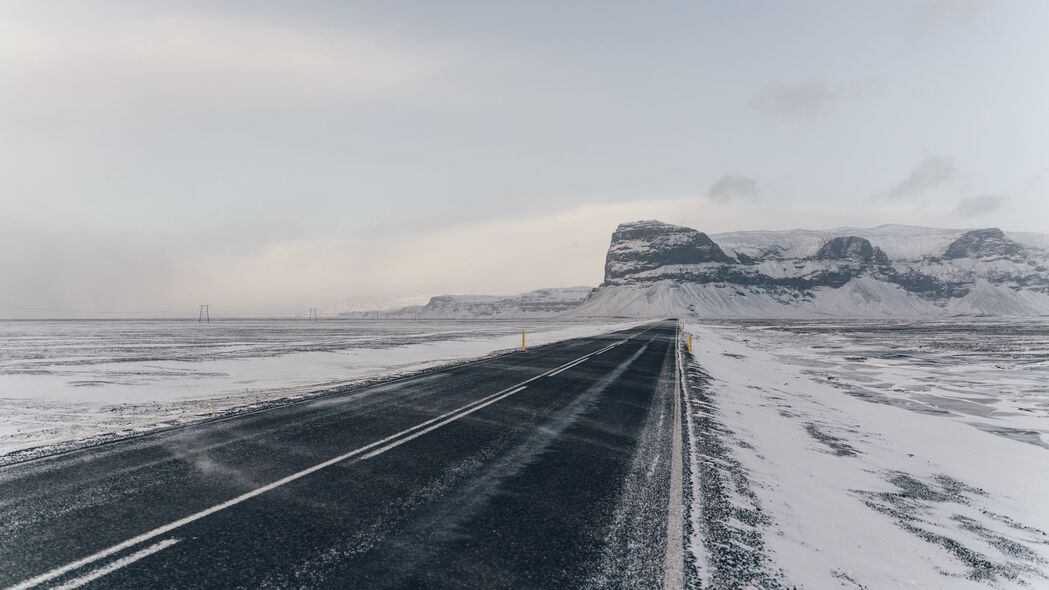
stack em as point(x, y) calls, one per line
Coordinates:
point(401, 441)
point(608, 348)
point(562, 370)
point(122, 562)
point(674, 559)
point(423, 427)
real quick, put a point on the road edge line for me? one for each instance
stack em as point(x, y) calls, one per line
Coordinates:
point(674, 560)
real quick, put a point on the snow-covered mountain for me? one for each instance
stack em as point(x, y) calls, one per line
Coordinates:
point(534, 304)
point(657, 269)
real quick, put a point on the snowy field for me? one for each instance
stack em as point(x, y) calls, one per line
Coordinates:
point(870, 454)
point(64, 383)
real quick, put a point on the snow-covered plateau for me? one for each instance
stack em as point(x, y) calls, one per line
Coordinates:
point(67, 383)
point(831, 454)
point(655, 269)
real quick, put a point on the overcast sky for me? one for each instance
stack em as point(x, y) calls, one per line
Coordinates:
point(266, 157)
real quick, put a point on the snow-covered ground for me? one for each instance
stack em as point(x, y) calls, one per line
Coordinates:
point(64, 383)
point(870, 454)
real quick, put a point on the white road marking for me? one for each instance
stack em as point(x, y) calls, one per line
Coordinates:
point(674, 561)
point(609, 347)
point(401, 441)
point(563, 369)
point(112, 567)
point(408, 433)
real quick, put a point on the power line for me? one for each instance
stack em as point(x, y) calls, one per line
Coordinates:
point(55, 310)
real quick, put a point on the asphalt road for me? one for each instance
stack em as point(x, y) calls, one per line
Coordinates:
point(549, 468)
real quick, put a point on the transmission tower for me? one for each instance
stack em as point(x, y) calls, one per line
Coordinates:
point(205, 314)
point(313, 314)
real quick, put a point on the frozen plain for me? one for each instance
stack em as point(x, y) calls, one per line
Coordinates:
point(824, 454)
point(870, 454)
point(67, 383)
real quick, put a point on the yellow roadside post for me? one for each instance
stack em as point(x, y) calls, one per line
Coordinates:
point(523, 340)
point(690, 342)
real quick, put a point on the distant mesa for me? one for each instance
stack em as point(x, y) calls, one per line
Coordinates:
point(540, 303)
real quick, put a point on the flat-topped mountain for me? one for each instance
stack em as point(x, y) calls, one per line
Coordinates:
point(647, 245)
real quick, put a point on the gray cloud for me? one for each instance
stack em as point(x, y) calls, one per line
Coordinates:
point(931, 15)
point(730, 187)
point(803, 99)
point(932, 172)
point(809, 98)
point(979, 205)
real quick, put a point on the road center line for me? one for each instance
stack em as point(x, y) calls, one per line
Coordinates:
point(405, 439)
point(122, 562)
point(383, 445)
point(608, 348)
point(563, 369)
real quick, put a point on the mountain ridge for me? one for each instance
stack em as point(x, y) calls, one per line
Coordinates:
point(540, 303)
point(657, 269)
point(836, 273)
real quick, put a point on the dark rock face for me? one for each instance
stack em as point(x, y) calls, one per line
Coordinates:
point(744, 259)
point(983, 243)
point(647, 245)
point(852, 248)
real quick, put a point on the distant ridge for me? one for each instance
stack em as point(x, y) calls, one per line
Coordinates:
point(656, 269)
point(534, 304)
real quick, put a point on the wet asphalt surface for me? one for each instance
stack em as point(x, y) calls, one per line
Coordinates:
point(561, 484)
